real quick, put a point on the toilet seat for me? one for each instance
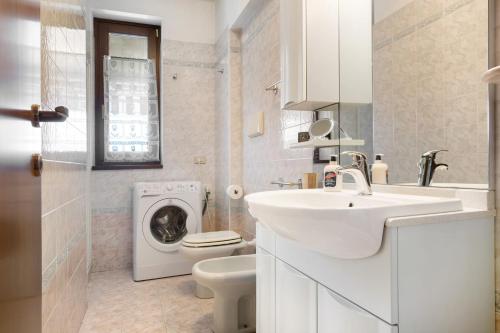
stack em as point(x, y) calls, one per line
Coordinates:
point(210, 239)
point(208, 245)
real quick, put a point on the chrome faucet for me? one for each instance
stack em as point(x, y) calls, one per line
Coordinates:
point(359, 171)
point(427, 166)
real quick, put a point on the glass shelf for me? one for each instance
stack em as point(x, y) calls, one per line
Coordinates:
point(322, 143)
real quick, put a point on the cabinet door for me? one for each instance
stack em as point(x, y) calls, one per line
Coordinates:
point(296, 301)
point(293, 65)
point(338, 315)
point(322, 52)
point(266, 292)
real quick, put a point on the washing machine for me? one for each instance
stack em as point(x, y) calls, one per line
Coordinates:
point(164, 213)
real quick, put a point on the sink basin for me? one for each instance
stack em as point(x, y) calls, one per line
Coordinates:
point(339, 224)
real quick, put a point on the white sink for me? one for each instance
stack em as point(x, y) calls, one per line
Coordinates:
point(324, 222)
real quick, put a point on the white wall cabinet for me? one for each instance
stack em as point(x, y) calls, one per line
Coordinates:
point(266, 279)
point(338, 315)
point(296, 301)
point(309, 54)
point(325, 53)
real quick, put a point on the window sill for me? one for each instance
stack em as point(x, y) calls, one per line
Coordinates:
point(128, 166)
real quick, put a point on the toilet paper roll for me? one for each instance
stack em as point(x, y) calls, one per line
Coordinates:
point(235, 192)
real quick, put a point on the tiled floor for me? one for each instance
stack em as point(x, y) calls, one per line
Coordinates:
point(117, 304)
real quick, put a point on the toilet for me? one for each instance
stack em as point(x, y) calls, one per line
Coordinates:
point(232, 280)
point(208, 245)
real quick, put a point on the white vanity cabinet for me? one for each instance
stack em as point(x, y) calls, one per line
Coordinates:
point(266, 281)
point(266, 291)
point(428, 277)
point(296, 301)
point(338, 315)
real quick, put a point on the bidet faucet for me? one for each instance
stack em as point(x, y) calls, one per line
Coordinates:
point(359, 171)
point(427, 166)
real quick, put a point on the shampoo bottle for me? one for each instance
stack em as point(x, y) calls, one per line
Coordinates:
point(380, 171)
point(332, 178)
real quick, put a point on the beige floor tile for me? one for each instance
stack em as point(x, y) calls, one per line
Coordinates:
point(117, 304)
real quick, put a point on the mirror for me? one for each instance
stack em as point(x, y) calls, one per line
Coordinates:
point(428, 57)
point(321, 128)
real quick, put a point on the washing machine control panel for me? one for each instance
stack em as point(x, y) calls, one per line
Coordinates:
point(167, 188)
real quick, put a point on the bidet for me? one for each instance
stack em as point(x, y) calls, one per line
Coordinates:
point(233, 282)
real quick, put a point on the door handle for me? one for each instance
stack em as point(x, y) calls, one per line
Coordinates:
point(59, 114)
point(36, 165)
point(36, 116)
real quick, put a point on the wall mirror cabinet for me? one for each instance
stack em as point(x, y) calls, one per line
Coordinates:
point(399, 78)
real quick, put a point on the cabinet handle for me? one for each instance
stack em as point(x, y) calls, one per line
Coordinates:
point(348, 305)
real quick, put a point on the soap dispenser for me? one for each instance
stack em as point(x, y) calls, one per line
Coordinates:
point(380, 171)
point(332, 179)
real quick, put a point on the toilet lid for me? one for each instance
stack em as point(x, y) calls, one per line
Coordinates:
point(212, 244)
point(215, 238)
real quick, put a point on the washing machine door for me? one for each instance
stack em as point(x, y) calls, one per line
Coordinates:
point(167, 222)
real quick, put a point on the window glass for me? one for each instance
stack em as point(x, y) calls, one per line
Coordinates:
point(131, 122)
point(128, 46)
point(127, 100)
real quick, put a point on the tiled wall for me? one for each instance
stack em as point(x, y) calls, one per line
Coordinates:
point(228, 124)
point(204, 112)
point(251, 62)
point(222, 134)
point(428, 60)
point(65, 175)
point(268, 157)
point(357, 122)
point(188, 131)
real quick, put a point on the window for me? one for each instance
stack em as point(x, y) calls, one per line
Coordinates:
point(127, 95)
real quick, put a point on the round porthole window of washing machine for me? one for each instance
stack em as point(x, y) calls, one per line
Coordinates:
point(168, 225)
point(167, 222)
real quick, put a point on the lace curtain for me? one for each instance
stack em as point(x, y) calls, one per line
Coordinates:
point(131, 112)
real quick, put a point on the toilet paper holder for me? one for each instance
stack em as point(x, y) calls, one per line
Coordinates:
point(234, 192)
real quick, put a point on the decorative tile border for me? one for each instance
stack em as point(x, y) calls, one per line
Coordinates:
point(256, 29)
point(421, 24)
point(190, 64)
point(112, 210)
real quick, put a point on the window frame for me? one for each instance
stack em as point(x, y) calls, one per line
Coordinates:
point(102, 29)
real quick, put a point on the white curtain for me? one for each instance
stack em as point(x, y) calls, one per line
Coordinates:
point(131, 112)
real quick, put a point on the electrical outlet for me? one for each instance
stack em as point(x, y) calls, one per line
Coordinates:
point(200, 160)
